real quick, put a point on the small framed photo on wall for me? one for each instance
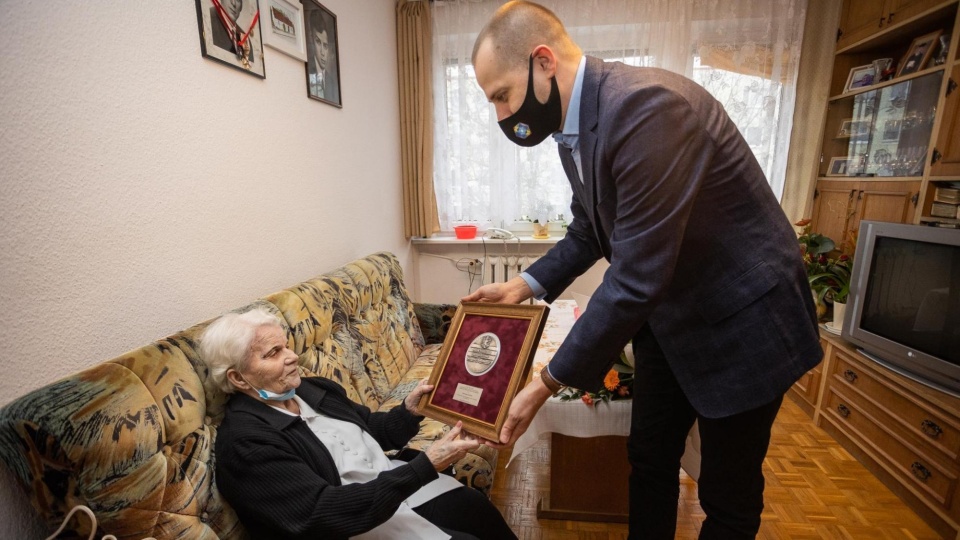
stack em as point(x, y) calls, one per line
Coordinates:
point(230, 34)
point(323, 53)
point(919, 53)
point(283, 22)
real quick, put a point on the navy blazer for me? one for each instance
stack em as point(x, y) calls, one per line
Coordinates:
point(697, 243)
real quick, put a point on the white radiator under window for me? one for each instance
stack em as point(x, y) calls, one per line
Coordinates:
point(500, 268)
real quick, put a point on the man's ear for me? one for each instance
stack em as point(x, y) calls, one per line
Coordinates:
point(546, 59)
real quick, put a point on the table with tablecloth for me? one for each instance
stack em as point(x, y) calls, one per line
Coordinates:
point(581, 429)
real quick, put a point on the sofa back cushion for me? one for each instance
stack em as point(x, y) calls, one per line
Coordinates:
point(130, 439)
point(354, 325)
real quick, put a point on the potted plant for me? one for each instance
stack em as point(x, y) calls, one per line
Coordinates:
point(828, 271)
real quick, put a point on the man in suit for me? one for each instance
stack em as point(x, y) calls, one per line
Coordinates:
point(705, 275)
point(226, 38)
point(321, 64)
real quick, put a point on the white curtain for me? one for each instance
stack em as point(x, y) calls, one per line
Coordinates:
point(745, 52)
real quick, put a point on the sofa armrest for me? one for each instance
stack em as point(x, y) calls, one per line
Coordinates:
point(434, 320)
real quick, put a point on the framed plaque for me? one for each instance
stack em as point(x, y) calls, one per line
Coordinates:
point(484, 362)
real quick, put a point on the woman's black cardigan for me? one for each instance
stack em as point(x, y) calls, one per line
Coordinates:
point(283, 482)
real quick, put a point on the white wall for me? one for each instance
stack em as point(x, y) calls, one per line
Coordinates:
point(144, 188)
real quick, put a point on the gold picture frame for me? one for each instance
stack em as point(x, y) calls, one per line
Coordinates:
point(484, 362)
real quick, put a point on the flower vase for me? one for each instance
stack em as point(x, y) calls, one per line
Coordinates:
point(540, 231)
point(820, 306)
point(838, 312)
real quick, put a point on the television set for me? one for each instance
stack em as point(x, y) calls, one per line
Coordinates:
point(903, 310)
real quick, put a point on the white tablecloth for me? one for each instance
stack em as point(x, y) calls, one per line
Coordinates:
point(575, 418)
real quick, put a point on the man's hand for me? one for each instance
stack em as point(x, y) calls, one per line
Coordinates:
point(522, 410)
point(412, 401)
point(511, 292)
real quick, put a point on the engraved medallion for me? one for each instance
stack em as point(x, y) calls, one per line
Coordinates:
point(482, 354)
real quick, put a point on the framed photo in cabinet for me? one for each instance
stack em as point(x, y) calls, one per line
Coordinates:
point(860, 77)
point(843, 166)
point(919, 53)
point(891, 130)
point(852, 128)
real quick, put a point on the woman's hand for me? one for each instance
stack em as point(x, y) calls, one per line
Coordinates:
point(451, 448)
point(412, 401)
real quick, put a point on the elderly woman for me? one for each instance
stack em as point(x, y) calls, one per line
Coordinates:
point(297, 459)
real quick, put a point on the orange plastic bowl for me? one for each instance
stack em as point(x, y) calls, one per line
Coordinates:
point(465, 232)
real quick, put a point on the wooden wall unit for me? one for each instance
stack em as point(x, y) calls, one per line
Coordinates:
point(905, 433)
point(888, 145)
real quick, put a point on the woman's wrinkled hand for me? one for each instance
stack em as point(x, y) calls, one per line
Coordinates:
point(412, 401)
point(452, 447)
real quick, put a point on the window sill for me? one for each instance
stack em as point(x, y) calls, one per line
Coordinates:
point(448, 239)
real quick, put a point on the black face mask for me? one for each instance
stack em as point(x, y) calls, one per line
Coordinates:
point(534, 121)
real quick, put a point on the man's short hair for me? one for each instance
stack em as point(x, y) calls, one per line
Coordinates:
point(519, 26)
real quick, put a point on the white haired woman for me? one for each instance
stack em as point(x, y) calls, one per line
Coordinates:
point(297, 459)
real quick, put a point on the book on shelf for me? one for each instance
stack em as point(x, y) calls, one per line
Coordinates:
point(944, 210)
point(947, 195)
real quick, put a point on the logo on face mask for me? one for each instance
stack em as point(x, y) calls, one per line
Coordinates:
point(534, 121)
point(521, 130)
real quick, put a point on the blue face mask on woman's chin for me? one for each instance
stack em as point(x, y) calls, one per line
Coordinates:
point(534, 121)
point(271, 396)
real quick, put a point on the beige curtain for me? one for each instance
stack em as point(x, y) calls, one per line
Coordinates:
point(416, 118)
point(813, 90)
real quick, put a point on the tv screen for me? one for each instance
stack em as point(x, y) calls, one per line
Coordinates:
point(904, 305)
point(910, 291)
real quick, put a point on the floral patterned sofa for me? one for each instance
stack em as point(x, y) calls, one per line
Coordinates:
point(133, 438)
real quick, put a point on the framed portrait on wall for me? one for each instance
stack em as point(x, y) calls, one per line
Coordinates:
point(323, 53)
point(484, 362)
point(283, 28)
point(230, 34)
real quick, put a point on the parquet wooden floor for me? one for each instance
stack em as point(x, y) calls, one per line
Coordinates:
point(814, 490)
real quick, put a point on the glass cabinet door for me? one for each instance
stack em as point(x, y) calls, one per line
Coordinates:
point(882, 132)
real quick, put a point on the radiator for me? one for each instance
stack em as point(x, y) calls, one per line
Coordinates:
point(500, 268)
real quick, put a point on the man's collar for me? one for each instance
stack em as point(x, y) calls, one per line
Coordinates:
point(571, 124)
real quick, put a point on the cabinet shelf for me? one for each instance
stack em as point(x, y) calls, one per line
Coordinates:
point(860, 179)
point(947, 221)
point(884, 84)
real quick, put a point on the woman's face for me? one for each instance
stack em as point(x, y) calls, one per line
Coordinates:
point(270, 364)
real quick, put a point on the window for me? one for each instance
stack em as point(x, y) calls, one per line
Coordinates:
point(744, 52)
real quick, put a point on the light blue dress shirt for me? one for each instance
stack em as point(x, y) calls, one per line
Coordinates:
point(569, 137)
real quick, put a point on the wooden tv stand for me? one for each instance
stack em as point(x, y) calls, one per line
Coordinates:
point(905, 433)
